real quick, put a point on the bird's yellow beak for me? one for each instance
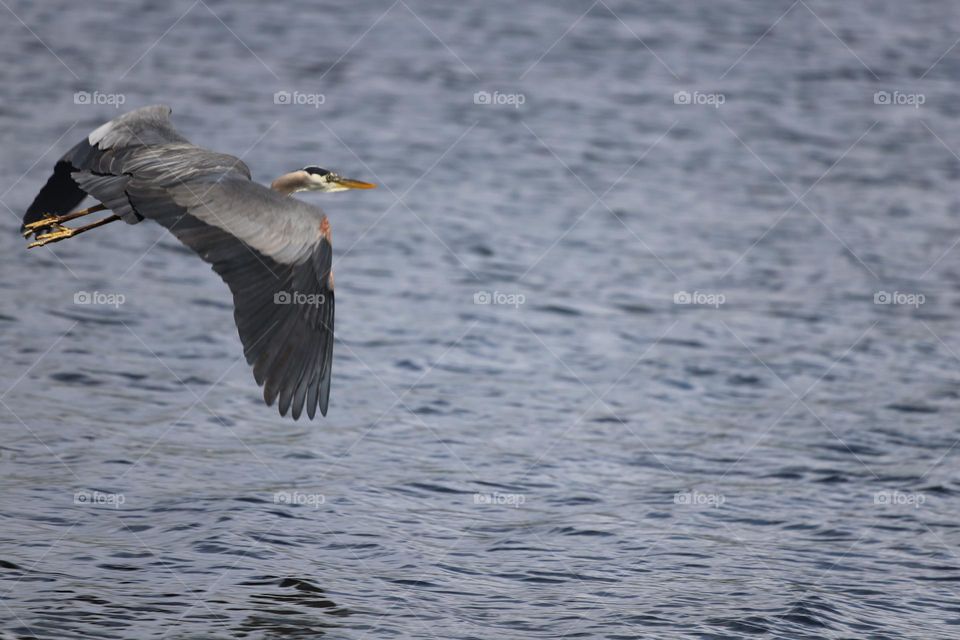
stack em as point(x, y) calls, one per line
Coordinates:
point(354, 184)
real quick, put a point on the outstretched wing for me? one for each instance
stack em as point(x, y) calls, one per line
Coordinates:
point(97, 153)
point(275, 254)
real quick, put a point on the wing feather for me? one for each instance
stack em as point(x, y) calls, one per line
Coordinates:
point(140, 142)
point(283, 305)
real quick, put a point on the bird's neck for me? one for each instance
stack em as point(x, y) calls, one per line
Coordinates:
point(288, 183)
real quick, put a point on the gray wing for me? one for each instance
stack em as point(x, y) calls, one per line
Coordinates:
point(275, 254)
point(140, 127)
point(272, 251)
point(143, 140)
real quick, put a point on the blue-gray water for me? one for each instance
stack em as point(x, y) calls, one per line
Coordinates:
point(596, 462)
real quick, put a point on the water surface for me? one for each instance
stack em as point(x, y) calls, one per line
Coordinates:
point(585, 458)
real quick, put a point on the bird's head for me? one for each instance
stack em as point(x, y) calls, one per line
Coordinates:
point(313, 178)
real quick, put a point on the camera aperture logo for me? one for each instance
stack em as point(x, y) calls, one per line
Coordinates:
point(514, 500)
point(299, 498)
point(699, 499)
point(899, 298)
point(99, 298)
point(899, 99)
point(96, 98)
point(498, 99)
point(99, 499)
point(700, 298)
point(299, 298)
point(699, 98)
point(299, 99)
point(499, 298)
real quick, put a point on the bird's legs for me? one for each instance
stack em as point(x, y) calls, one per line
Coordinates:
point(55, 221)
point(62, 233)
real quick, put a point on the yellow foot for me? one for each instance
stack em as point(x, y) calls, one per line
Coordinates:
point(47, 221)
point(61, 233)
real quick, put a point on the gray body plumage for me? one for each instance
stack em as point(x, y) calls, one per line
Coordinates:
point(272, 251)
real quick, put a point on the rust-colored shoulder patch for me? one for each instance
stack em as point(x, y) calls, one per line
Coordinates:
point(325, 232)
point(330, 279)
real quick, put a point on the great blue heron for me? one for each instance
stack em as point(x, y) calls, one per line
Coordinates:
point(273, 251)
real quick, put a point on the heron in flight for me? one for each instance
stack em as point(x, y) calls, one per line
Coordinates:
point(272, 250)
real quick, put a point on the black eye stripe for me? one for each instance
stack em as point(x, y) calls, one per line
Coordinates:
point(317, 171)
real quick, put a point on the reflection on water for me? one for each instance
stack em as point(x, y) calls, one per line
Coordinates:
point(630, 342)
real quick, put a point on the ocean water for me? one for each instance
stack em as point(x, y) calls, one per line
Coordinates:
point(649, 331)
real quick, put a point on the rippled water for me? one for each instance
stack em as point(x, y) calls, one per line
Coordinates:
point(585, 458)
